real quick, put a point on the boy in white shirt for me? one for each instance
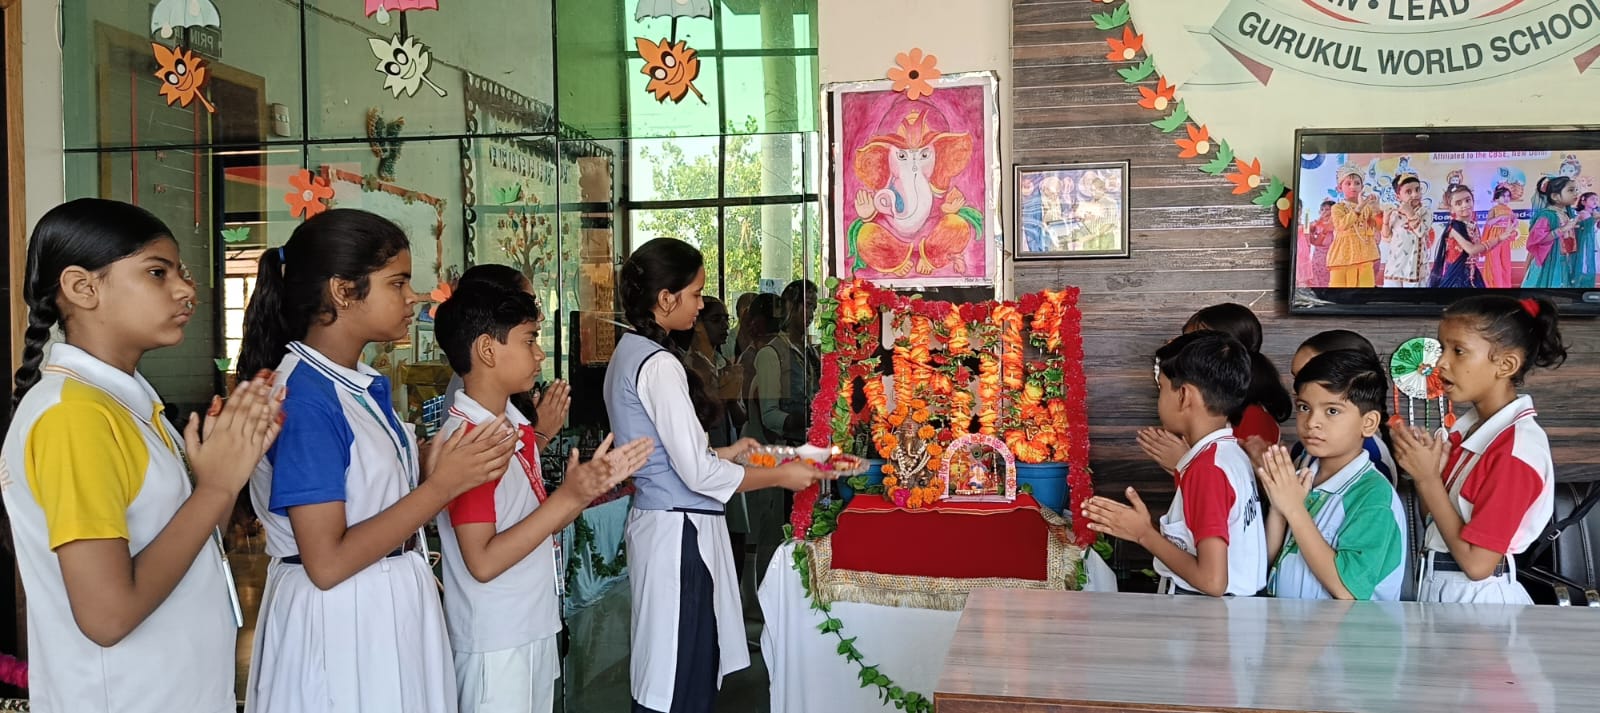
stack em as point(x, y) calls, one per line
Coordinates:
point(501, 572)
point(1211, 541)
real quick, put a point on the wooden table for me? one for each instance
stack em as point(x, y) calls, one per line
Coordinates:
point(1049, 652)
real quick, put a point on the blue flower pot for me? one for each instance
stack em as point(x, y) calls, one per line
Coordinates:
point(874, 478)
point(1048, 482)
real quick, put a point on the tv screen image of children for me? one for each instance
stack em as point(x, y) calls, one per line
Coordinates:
point(1480, 208)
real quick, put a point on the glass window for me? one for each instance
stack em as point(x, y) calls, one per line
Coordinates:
point(674, 169)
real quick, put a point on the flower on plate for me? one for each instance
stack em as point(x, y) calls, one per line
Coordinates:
point(1248, 177)
point(310, 192)
point(1198, 143)
point(1160, 97)
point(1127, 48)
point(912, 72)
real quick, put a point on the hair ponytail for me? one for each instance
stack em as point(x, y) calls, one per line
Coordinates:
point(292, 281)
point(1266, 386)
point(1528, 325)
point(89, 233)
point(266, 328)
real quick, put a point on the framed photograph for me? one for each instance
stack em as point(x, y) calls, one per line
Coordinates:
point(913, 190)
point(1077, 210)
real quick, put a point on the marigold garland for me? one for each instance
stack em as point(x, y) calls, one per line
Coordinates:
point(1036, 404)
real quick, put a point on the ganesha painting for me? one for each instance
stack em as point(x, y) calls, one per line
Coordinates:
point(913, 194)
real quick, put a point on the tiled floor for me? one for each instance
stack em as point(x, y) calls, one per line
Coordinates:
point(596, 668)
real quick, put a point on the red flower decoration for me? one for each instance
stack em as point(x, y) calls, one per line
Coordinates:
point(1285, 207)
point(1158, 98)
point(1198, 143)
point(1127, 48)
point(1248, 178)
point(310, 190)
point(800, 517)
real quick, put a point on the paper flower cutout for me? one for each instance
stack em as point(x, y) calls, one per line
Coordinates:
point(1248, 178)
point(1198, 143)
point(170, 15)
point(404, 63)
point(912, 73)
point(1125, 49)
point(182, 75)
point(1285, 207)
point(1160, 97)
point(310, 190)
point(439, 295)
point(1411, 366)
point(672, 69)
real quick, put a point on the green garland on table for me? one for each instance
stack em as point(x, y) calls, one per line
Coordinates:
point(868, 675)
point(582, 544)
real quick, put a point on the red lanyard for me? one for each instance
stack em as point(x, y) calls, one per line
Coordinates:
point(526, 438)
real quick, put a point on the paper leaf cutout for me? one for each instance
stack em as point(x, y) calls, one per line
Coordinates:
point(1223, 160)
point(182, 74)
point(1179, 115)
point(672, 69)
point(223, 365)
point(310, 192)
point(1274, 191)
point(1139, 72)
point(236, 235)
point(1111, 20)
point(506, 195)
point(404, 63)
point(912, 73)
point(647, 9)
point(170, 15)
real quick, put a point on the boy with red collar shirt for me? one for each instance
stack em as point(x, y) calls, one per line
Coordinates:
point(1212, 540)
point(502, 576)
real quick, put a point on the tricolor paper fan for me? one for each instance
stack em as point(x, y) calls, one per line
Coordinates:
point(1412, 365)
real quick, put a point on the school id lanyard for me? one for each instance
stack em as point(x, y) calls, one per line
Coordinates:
point(172, 444)
point(402, 453)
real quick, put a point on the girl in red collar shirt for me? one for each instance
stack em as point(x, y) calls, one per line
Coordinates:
point(1487, 484)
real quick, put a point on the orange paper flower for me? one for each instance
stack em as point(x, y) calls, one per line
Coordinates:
point(183, 75)
point(1126, 49)
point(1285, 207)
point(310, 190)
point(1198, 143)
point(1158, 98)
point(1248, 177)
point(912, 73)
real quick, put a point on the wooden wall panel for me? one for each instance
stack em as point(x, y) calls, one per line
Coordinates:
point(1194, 244)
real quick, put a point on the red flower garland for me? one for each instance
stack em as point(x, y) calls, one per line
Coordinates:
point(805, 502)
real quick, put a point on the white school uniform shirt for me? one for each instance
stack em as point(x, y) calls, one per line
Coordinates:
point(86, 439)
point(1216, 497)
point(655, 542)
point(1502, 481)
point(521, 605)
point(376, 642)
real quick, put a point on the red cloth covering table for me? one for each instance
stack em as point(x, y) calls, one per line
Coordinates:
point(962, 540)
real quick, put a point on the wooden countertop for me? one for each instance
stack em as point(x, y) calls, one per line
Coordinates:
point(1049, 652)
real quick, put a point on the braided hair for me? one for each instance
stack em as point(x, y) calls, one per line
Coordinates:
point(663, 264)
point(90, 233)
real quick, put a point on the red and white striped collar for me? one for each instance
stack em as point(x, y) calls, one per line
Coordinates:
point(1505, 418)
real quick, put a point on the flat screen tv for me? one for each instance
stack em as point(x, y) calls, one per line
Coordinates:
point(1406, 221)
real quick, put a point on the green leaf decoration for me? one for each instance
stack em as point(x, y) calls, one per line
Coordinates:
point(505, 195)
point(1111, 20)
point(1274, 191)
point(1179, 115)
point(1139, 72)
point(236, 235)
point(223, 365)
point(1222, 162)
point(867, 675)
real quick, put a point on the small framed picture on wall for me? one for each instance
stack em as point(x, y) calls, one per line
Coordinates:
point(1077, 210)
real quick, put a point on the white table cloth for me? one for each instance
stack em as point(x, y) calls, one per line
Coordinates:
point(908, 645)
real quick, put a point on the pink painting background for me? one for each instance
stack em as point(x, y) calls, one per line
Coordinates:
point(863, 115)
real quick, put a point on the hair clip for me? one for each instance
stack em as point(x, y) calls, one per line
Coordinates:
point(1530, 305)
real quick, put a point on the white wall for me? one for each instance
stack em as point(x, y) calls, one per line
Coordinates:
point(858, 40)
point(41, 102)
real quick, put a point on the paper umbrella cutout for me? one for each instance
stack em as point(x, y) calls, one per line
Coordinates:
point(381, 8)
point(182, 74)
point(170, 15)
point(404, 63)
